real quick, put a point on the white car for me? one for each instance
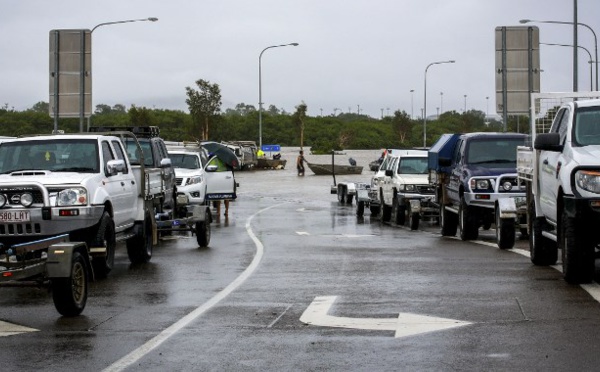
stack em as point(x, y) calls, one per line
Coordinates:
point(200, 178)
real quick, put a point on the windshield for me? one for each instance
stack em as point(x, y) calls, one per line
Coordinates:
point(413, 166)
point(587, 126)
point(494, 153)
point(57, 155)
point(187, 161)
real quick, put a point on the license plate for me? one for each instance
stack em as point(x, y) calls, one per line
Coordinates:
point(15, 216)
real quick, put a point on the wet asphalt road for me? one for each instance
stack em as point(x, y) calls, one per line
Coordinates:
point(287, 241)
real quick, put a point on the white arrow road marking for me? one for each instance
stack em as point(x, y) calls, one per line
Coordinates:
point(9, 329)
point(302, 233)
point(405, 325)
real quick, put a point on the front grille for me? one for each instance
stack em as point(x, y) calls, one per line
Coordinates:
point(178, 181)
point(426, 189)
point(13, 229)
point(13, 194)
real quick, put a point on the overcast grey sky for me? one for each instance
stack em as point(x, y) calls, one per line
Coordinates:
point(367, 53)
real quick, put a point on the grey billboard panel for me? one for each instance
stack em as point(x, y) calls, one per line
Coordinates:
point(520, 44)
point(68, 49)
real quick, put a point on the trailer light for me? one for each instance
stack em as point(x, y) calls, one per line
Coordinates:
point(68, 212)
point(482, 196)
point(588, 180)
point(26, 199)
point(595, 203)
point(7, 274)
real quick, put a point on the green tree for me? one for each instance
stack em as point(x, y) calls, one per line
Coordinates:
point(402, 126)
point(204, 105)
point(298, 119)
point(140, 116)
point(41, 107)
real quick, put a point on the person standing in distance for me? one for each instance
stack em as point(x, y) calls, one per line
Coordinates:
point(300, 163)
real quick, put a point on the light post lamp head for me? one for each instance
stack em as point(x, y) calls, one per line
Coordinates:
point(523, 21)
point(152, 19)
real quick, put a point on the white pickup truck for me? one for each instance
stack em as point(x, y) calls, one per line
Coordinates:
point(405, 189)
point(80, 188)
point(562, 175)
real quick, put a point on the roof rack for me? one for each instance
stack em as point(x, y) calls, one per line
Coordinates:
point(149, 131)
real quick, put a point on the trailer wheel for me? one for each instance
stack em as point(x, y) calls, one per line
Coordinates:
point(399, 213)
point(543, 251)
point(448, 221)
point(414, 221)
point(577, 252)
point(139, 247)
point(505, 231)
point(105, 237)
point(386, 213)
point(349, 198)
point(360, 208)
point(375, 209)
point(203, 231)
point(341, 194)
point(467, 224)
point(70, 294)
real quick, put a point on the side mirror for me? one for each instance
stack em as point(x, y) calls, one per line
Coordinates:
point(212, 168)
point(389, 173)
point(548, 142)
point(114, 167)
point(165, 163)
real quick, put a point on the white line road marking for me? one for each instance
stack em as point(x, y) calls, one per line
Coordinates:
point(406, 324)
point(157, 340)
point(302, 233)
point(9, 329)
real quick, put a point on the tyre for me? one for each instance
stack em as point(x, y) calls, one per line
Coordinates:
point(349, 199)
point(341, 195)
point(203, 231)
point(139, 247)
point(104, 237)
point(375, 209)
point(70, 294)
point(386, 213)
point(578, 252)
point(543, 251)
point(414, 221)
point(360, 208)
point(505, 231)
point(399, 213)
point(448, 222)
point(467, 223)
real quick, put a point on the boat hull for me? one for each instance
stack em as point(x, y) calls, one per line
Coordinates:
point(326, 169)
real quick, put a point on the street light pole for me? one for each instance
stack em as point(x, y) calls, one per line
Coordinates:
point(150, 19)
point(412, 105)
point(590, 60)
point(260, 103)
point(578, 24)
point(425, 99)
point(465, 104)
point(441, 102)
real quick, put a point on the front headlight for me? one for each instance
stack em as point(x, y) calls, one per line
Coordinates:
point(588, 180)
point(74, 196)
point(479, 184)
point(193, 180)
point(409, 188)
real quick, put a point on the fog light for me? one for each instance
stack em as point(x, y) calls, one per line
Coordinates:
point(26, 199)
